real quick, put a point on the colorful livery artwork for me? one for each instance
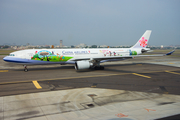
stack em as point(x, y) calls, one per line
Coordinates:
point(45, 55)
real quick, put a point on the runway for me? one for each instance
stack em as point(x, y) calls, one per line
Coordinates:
point(139, 89)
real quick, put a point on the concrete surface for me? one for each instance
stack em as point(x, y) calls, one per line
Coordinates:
point(89, 103)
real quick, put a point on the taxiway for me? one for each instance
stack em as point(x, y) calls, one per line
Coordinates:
point(147, 88)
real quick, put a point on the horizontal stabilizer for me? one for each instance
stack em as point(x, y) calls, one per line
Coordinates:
point(170, 52)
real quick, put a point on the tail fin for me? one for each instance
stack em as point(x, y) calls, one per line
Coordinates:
point(142, 42)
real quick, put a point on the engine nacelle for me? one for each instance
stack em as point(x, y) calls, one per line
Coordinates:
point(145, 50)
point(80, 65)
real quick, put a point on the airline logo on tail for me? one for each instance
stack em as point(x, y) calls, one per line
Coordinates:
point(143, 42)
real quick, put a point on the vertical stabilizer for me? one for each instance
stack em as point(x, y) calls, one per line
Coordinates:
point(142, 42)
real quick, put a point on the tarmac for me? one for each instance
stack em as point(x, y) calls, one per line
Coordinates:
point(137, 89)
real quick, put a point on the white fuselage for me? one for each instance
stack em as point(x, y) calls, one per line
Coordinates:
point(78, 53)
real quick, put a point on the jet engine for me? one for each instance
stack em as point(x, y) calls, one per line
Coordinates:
point(80, 65)
point(145, 50)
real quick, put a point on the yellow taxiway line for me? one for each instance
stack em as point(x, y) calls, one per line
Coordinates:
point(64, 78)
point(172, 72)
point(141, 75)
point(3, 70)
point(36, 84)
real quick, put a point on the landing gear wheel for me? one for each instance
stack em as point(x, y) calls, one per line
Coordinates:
point(99, 67)
point(96, 68)
point(25, 70)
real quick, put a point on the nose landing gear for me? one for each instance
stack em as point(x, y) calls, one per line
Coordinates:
point(25, 68)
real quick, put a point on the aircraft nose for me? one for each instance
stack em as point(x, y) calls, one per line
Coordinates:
point(6, 58)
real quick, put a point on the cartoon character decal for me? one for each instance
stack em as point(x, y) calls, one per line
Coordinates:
point(45, 55)
point(132, 52)
point(107, 53)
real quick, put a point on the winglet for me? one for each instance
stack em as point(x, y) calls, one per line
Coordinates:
point(170, 52)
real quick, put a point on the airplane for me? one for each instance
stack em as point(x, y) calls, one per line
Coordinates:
point(81, 58)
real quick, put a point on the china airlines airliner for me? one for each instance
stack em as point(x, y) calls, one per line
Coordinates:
point(81, 58)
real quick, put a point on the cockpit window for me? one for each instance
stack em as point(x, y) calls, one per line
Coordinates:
point(11, 55)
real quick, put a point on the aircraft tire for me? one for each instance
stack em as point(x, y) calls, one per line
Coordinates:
point(96, 68)
point(99, 67)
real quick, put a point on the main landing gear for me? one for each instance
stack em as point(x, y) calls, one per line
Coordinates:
point(25, 68)
point(99, 67)
point(96, 65)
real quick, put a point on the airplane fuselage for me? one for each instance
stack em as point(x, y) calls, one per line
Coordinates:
point(69, 56)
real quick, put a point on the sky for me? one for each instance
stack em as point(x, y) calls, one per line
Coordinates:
point(93, 22)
